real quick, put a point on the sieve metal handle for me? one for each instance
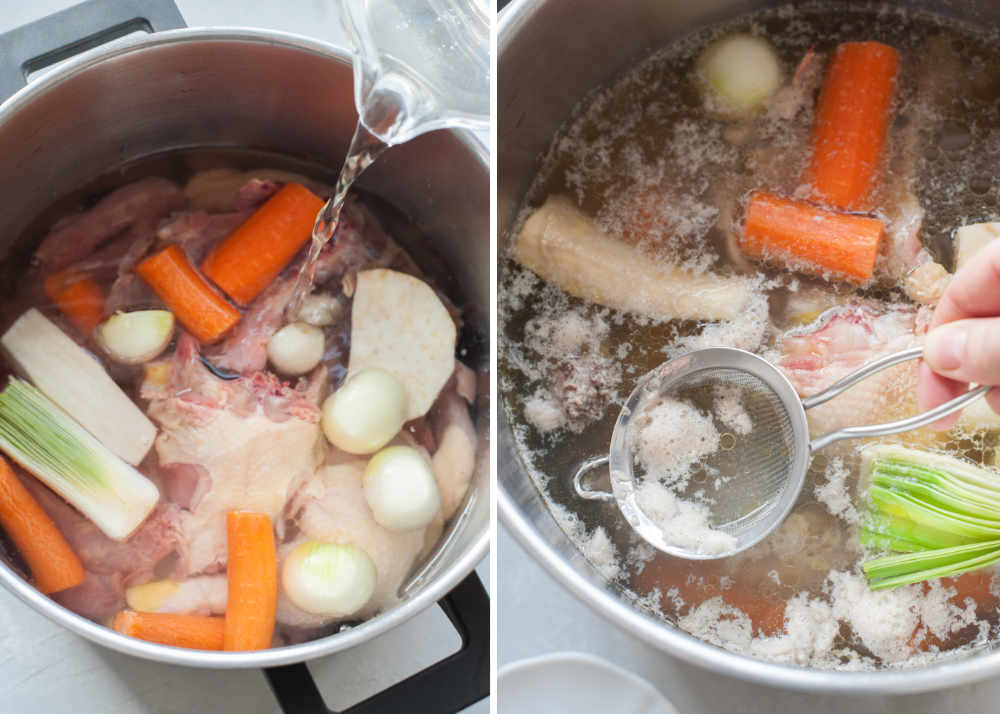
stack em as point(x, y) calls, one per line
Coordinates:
point(587, 493)
point(893, 427)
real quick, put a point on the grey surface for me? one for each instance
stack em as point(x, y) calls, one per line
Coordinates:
point(47, 670)
point(535, 615)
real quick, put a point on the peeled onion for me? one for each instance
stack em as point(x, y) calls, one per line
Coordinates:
point(296, 348)
point(738, 73)
point(136, 337)
point(328, 578)
point(400, 488)
point(366, 412)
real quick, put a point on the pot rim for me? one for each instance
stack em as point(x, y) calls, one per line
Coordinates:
point(313, 649)
point(673, 641)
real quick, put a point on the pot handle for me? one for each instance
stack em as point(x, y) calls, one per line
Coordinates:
point(456, 682)
point(76, 29)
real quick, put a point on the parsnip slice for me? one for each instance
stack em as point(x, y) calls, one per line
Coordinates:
point(76, 382)
point(971, 239)
point(398, 324)
point(563, 246)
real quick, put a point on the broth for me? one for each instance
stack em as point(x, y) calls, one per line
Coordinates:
point(645, 161)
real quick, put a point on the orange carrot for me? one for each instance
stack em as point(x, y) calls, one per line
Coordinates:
point(852, 120)
point(809, 238)
point(78, 297)
point(53, 564)
point(195, 632)
point(253, 581)
point(246, 262)
point(199, 307)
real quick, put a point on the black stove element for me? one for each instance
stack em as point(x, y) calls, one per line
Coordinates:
point(448, 686)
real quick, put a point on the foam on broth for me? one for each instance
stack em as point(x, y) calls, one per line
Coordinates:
point(641, 157)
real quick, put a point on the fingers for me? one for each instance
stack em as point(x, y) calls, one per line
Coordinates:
point(933, 389)
point(974, 291)
point(966, 350)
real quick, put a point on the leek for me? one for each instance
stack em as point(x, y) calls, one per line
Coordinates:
point(62, 454)
point(939, 514)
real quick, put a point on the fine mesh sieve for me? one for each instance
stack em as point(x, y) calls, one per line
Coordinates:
point(750, 481)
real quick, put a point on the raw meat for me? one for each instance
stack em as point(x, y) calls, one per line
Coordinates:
point(250, 439)
point(843, 339)
point(141, 202)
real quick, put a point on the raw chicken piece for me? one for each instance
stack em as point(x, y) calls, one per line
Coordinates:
point(250, 439)
point(255, 191)
point(333, 509)
point(244, 350)
point(129, 560)
point(141, 202)
point(843, 339)
point(111, 565)
point(98, 597)
point(454, 460)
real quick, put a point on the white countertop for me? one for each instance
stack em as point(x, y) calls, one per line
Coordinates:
point(536, 615)
point(48, 670)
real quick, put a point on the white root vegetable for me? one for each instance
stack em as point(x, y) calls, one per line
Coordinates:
point(136, 337)
point(737, 74)
point(971, 239)
point(398, 324)
point(563, 246)
point(366, 412)
point(328, 578)
point(400, 489)
point(69, 376)
point(296, 348)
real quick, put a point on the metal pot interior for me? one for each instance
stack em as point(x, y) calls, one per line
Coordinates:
point(532, 106)
point(272, 93)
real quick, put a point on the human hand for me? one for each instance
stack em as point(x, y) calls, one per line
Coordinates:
point(963, 344)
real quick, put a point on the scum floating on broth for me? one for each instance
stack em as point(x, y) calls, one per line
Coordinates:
point(647, 165)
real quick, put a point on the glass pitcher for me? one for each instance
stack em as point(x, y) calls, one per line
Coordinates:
point(419, 65)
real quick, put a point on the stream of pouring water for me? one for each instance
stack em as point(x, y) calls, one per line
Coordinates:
point(364, 149)
point(418, 66)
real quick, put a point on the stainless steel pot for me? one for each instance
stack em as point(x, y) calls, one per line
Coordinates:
point(582, 44)
point(187, 88)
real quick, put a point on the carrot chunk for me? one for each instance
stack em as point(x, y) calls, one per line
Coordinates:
point(253, 581)
point(810, 239)
point(852, 120)
point(245, 262)
point(53, 564)
point(78, 297)
point(195, 303)
point(195, 632)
